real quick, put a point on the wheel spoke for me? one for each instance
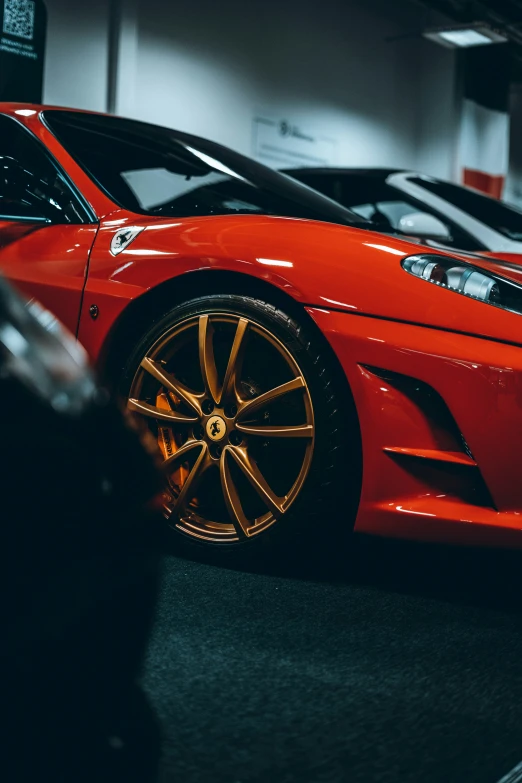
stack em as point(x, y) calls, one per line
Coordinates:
point(291, 431)
point(171, 384)
point(172, 462)
point(194, 477)
point(235, 363)
point(232, 501)
point(256, 479)
point(152, 412)
point(207, 360)
point(264, 399)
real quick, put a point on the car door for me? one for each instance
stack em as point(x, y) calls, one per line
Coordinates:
point(46, 230)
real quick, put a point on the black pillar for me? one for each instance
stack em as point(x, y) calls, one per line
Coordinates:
point(23, 25)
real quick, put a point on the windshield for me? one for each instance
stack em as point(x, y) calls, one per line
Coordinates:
point(497, 215)
point(156, 171)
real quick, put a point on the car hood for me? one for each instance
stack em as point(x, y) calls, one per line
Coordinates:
point(319, 264)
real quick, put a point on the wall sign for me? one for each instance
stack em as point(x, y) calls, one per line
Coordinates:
point(23, 26)
point(281, 143)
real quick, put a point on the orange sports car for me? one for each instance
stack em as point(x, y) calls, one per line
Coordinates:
point(302, 374)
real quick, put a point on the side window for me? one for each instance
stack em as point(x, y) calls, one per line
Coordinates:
point(31, 185)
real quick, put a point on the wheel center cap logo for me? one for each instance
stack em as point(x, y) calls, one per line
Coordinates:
point(216, 428)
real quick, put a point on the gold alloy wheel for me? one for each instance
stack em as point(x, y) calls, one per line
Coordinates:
point(234, 421)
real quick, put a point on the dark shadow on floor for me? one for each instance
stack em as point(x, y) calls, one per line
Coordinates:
point(457, 574)
point(473, 576)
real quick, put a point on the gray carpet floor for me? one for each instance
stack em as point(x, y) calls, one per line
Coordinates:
point(399, 663)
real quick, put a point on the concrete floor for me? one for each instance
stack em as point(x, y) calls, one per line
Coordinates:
point(402, 663)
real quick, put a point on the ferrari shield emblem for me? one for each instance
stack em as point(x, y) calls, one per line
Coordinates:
point(122, 239)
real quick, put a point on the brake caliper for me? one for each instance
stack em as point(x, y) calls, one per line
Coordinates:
point(167, 441)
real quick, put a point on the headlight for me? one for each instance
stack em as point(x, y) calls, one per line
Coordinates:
point(466, 279)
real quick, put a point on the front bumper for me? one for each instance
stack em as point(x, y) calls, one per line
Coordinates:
point(441, 424)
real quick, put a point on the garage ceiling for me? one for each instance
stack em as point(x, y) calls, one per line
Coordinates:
point(504, 15)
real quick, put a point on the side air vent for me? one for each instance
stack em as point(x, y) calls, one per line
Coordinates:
point(433, 455)
point(440, 460)
point(429, 402)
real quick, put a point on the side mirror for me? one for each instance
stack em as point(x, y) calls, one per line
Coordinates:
point(424, 226)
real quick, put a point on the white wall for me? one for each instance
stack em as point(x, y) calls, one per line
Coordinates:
point(438, 111)
point(210, 67)
point(76, 69)
point(513, 188)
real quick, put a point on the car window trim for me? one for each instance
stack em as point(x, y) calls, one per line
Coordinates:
point(31, 220)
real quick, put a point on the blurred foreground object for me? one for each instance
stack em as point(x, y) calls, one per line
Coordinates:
point(78, 565)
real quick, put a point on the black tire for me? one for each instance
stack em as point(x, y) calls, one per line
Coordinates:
point(325, 508)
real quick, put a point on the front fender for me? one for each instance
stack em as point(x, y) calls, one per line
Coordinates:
point(319, 264)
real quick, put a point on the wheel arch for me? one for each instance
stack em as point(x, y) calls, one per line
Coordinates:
point(142, 312)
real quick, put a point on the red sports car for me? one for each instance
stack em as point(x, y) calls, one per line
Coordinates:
point(302, 374)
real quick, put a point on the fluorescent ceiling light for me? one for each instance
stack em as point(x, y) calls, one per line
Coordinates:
point(464, 36)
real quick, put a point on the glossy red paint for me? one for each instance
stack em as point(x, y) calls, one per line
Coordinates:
point(48, 263)
point(315, 263)
point(436, 376)
point(511, 258)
